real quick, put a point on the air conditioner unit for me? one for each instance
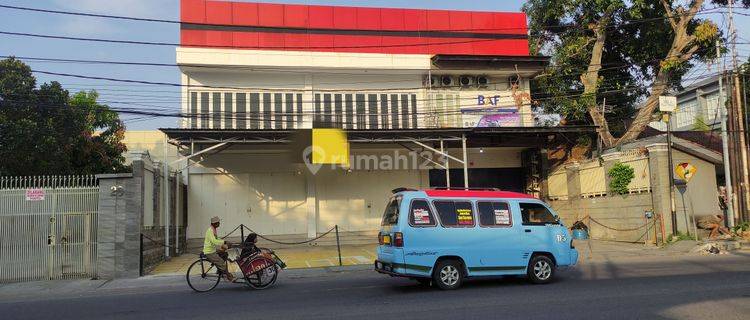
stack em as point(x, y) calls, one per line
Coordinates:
point(482, 81)
point(431, 81)
point(446, 81)
point(466, 81)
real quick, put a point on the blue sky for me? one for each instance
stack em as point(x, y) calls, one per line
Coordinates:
point(132, 95)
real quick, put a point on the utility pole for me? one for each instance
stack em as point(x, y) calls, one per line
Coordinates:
point(673, 207)
point(725, 142)
point(739, 114)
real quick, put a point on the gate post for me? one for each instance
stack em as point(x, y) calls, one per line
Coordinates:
point(120, 219)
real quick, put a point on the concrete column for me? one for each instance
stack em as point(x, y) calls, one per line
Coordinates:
point(658, 164)
point(312, 205)
point(574, 180)
point(119, 226)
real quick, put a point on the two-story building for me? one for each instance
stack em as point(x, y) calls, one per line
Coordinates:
point(403, 83)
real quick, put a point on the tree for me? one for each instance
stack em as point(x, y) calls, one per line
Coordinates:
point(46, 131)
point(629, 52)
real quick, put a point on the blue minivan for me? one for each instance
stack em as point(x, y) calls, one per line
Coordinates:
point(445, 236)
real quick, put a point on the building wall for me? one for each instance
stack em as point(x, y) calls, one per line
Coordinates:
point(151, 141)
point(274, 196)
point(621, 213)
point(366, 98)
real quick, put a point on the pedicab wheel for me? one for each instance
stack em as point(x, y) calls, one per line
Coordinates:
point(203, 276)
point(541, 270)
point(263, 279)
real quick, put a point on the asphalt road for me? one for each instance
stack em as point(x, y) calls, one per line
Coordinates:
point(714, 287)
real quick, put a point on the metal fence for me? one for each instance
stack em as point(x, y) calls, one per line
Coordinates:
point(48, 227)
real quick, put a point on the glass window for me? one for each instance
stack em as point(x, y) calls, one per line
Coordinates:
point(390, 216)
point(494, 214)
point(536, 214)
point(420, 214)
point(455, 213)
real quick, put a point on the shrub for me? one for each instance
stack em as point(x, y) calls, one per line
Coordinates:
point(620, 176)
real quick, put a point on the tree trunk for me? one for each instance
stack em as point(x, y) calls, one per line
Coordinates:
point(590, 81)
point(679, 20)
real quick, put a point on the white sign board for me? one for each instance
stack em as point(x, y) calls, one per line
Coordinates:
point(35, 194)
point(667, 104)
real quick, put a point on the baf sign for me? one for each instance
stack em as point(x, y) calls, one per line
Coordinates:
point(35, 194)
point(491, 110)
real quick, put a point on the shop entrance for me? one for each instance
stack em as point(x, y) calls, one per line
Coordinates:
point(507, 179)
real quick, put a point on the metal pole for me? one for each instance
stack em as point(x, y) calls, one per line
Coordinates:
point(242, 233)
point(140, 257)
point(673, 211)
point(725, 144)
point(166, 199)
point(177, 192)
point(338, 245)
point(447, 167)
point(466, 163)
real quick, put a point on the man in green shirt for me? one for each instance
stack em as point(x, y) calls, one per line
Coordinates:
point(210, 244)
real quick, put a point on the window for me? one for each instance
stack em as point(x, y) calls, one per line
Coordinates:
point(455, 213)
point(536, 214)
point(493, 214)
point(420, 214)
point(390, 216)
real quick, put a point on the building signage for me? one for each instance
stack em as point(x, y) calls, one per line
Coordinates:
point(667, 104)
point(35, 194)
point(491, 110)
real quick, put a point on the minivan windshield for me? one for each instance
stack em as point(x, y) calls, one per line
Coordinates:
point(390, 216)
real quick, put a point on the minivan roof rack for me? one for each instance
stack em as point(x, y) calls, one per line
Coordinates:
point(472, 189)
point(401, 189)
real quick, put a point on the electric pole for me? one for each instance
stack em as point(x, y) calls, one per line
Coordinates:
point(725, 141)
point(739, 114)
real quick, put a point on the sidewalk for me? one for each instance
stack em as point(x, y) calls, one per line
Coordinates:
point(295, 258)
point(598, 250)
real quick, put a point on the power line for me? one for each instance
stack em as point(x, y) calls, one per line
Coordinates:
point(140, 19)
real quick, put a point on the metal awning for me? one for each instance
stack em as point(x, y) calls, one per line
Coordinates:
point(477, 137)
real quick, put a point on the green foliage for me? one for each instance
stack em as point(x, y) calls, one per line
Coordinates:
point(679, 236)
point(742, 227)
point(638, 37)
point(620, 176)
point(700, 124)
point(46, 131)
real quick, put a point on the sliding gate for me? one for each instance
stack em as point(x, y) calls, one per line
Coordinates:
point(48, 228)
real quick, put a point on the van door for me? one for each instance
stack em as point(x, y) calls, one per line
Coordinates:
point(541, 230)
point(502, 252)
point(421, 241)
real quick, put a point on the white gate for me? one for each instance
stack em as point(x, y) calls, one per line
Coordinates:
point(48, 227)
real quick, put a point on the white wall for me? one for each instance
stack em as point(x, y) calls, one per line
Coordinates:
point(275, 190)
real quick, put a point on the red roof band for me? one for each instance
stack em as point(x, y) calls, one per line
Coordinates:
point(265, 26)
point(477, 194)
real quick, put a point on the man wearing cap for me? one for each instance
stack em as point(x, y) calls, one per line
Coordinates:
point(210, 243)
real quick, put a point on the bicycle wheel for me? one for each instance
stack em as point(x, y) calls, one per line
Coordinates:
point(264, 278)
point(203, 276)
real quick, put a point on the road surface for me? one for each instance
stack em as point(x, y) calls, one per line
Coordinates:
point(710, 287)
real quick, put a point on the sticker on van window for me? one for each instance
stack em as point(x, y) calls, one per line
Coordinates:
point(421, 216)
point(465, 217)
point(502, 216)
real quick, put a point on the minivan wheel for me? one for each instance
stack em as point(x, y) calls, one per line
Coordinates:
point(541, 269)
point(448, 274)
